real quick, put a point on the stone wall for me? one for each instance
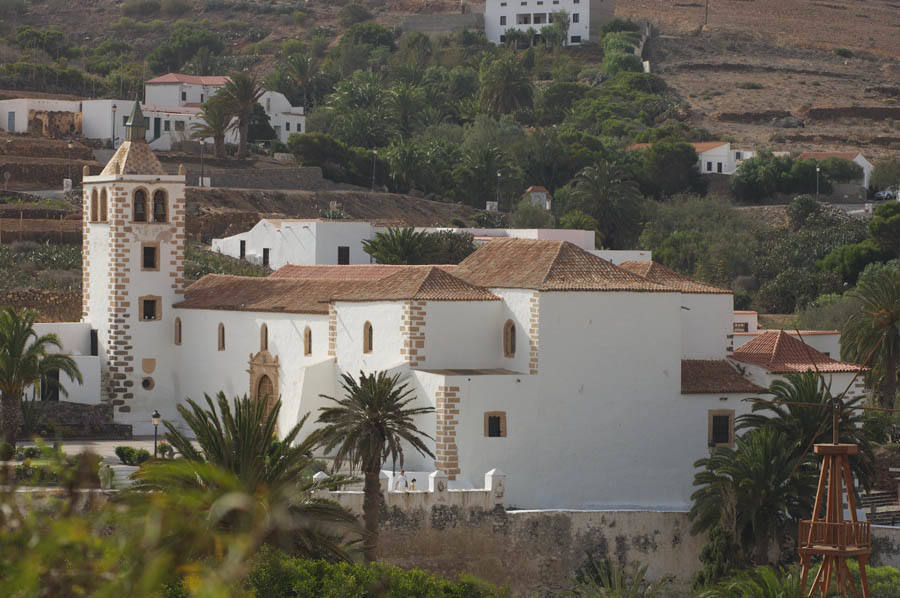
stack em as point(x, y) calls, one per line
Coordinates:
point(885, 546)
point(64, 419)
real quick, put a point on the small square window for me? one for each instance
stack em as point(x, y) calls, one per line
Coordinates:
point(183, 96)
point(709, 167)
point(150, 257)
point(495, 424)
point(721, 427)
point(343, 255)
point(150, 309)
point(503, 20)
point(287, 126)
point(576, 39)
point(575, 17)
point(167, 125)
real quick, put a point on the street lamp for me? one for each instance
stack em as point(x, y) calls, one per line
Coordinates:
point(817, 181)
point(374, 155)
point(155, 417)
point(498, 190)
point(202, 144)
point(69, 159)
point(113, 131)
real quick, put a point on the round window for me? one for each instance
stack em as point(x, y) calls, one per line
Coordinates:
point(147, 384)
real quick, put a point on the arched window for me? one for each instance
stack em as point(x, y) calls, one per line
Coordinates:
point(307, 341)
point(94, 212)
point(509, 339)
point(103, 205)
point(177, 331)
point(221, 336)
point(140, 206)
point(159, 206)
point(264, 338)
point(265, 390)
point(367, 337)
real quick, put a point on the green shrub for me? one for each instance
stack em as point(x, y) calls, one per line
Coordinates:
point(354, 13)
point(618, 62)
point(618, 24)
point(175, 8)
point(140, 8)
point(749, 85)
point(131, 456)
point(277, 575)
point(844, 52)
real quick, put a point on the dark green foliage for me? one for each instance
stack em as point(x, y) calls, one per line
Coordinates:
point(48, 77)
point(607, 192)
point(763, 175)
point(406, 246)
point(183, 43)
point(669, 167)
point(848, 261)
point(12, 8)
point(555, 100)
point(140, 8)
point(131, 456)
point(607, 578)
point(531, 215)
point(353, 13)
point(505, 85)
point(491, 220)
point(259, 128)
point(720, 557)
point(885, 227)
point(175, 8)
point(844, 52)
point(278, 576)
point(840, 170)
point(338, 161)
point(828, 312)
point(370, 34)
point(617, 24)
point(578, 220)
point(886, 174)
point(52, 41)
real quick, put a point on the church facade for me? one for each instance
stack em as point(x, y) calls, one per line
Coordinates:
point(590, 385)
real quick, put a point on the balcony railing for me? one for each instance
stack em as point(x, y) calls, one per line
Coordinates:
point(835, 535)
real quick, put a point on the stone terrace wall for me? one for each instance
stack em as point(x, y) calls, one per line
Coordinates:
point(885, 546)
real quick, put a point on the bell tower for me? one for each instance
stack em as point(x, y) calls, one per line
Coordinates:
point(132, 274)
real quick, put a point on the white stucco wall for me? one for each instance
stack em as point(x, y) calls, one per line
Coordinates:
point(387, 339)
point(748, 317)
point(75, 337)
point(463, 334)
point(710, 160)
point(20, 108)
point(618, 256)
point(495, 9)
point(165, 94)
point(706, 323)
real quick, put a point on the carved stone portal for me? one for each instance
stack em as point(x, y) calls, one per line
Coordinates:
point(264, 378)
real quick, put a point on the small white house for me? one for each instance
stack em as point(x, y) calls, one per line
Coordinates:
point(18, 113)
point(714, 157)
point(855, 157)
point(585, 17)
point(539, 196)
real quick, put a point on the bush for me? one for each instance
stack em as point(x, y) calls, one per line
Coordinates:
point(354, 13)
point(175, 8)
point(278, 575)
point(618, 62)
point(131, 456)
point(140, 8)
point(844, 52)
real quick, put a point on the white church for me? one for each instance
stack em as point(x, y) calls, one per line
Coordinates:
point(590, 385)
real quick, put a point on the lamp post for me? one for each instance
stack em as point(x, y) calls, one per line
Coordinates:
point(202, 144)
point(155, 417)
point(818, 168)
point(374, 155)
point(69, 160)
point(113, 130)
point(498, 190)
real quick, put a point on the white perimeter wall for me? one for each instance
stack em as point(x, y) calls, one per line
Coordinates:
point(706, 324)
point(22, 106)
point(75, 337)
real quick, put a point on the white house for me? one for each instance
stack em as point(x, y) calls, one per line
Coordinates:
point(714, 157)
point(171, 108)
point(586, 17)
point(589, 384)
point(539, 196)
point(855, 157)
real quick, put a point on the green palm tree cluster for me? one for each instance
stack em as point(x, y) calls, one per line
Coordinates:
point(241, 94)
point(872, 333)
point(608, 580)
point(762, 582)
point(368, 427)
point(216, 121)
point(607, 192)
point(26, 359)
point(506, 86)
point(402, 246)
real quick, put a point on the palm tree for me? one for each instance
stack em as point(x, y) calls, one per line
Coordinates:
point(754, 489)
point(610, 195)
point(608, 580)
point(872, 333)
point(239, 452)
point(241, 93)
point(368, 426)
point(216, 121)
point(505, 86)
point(806, 425)
point(302, 69)
point(25, 360)
point(406, 102)
point(402, 246)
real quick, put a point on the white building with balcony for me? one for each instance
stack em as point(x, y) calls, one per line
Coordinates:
point(586, 17)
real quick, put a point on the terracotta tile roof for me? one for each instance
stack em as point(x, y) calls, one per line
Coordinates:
point(744, 311)
point(782, 353)
point(536, 188)
point(819, 156)
point(247, 293)
point(661, 275)
point(701, 376)
point(699, 146)
point(193, 79)
point(362, 272)
point(547, 266)
point(133, 157)
point(417, 282)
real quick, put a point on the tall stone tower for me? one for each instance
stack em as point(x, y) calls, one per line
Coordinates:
point(133, 272)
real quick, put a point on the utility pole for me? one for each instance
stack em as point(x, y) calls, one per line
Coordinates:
point(374, 155)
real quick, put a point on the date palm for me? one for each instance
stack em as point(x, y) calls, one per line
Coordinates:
point(610, 195)
point(367, 427)
point(872, 332)
point(240, 454)
point(762, 582)
point(402, 246)
point(505, 86)
point(25, 359)
point(241, 94)
point(216, 120)
point(755, 489)
point(302, 69)
point(806, 425)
